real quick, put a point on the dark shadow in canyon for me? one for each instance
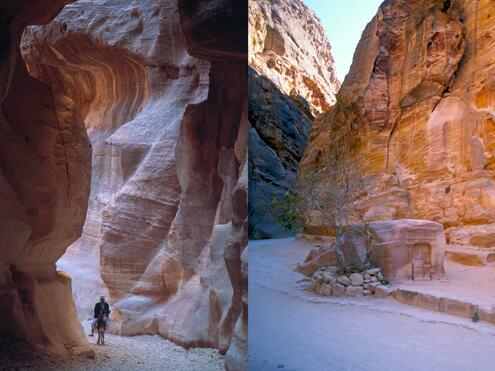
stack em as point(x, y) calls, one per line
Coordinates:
point(279, 129)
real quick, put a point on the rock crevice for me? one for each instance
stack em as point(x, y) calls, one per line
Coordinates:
point(291, 80)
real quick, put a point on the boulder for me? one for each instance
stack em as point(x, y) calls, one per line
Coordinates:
point(372, 271)
point(356, 279)
point(328, 277)
point(344, 280)
point(338, 290)
point(326, 289)
point(371, 286)
point(383, 292)
point(354, 291)
point(323, 257)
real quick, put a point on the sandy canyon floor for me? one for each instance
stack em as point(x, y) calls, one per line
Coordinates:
point(292, 329)
point(146, 352)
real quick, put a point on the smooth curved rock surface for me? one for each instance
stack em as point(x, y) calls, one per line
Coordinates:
point(167, 220)
point(45, 169)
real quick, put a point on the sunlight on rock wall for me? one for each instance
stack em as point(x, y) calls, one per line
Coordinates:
point(418, 102)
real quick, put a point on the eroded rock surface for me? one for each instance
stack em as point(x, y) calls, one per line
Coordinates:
point(45, 167)
point(418, 101)
point(227, 118)
point(288, 45)
point(166, 114)
point(291, 79)
point(278, 134)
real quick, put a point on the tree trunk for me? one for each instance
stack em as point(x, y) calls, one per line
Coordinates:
point(338, 251)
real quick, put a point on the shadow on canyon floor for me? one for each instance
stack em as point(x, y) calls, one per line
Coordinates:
point(143, 352)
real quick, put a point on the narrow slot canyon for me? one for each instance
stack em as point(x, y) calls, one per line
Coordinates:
point(123, 173)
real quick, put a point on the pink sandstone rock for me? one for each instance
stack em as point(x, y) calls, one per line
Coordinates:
point(408, 249)
point(404, 250)
point(166, 113)
point(44, 187)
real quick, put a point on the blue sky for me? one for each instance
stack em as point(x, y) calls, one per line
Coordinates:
point(344, 21)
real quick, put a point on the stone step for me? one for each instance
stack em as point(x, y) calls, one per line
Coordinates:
point(449, 305)
point(470, 256)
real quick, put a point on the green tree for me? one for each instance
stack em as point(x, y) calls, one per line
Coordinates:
point(332, 193)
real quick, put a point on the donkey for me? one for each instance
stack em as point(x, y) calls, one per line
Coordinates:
point(101, 326)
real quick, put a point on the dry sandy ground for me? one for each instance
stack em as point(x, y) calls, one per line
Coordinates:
point(466, 283)
point(292, 329)
point(144, 352)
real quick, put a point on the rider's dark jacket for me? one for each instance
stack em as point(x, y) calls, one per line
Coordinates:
point(98, 308)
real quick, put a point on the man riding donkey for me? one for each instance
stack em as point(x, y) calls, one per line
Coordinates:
point(101, 314)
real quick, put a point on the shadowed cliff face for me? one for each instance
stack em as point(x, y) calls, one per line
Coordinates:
point(167, 218)
point(418, 103)
point(225, 137)
point(278, 134)
point(291, 79)
point(45, 160)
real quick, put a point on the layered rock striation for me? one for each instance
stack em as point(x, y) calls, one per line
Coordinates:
point(164, 103)
point(288, 45)
point(226, 49)
point(417, 103)
point(278, 134)
point(291, 79)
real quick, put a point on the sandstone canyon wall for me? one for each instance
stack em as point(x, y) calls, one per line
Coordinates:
point(418, 103)
point(45, 169)
point(291, 79)
point(162, 92)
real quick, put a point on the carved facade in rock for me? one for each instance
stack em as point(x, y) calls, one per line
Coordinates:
point(417, 102)
point(404, 249)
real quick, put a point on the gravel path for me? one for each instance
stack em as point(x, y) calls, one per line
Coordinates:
point(148, 352)
point(145, 352)
point(292, 329)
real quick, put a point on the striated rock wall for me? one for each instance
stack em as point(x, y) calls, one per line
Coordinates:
point(226, 48)
point(278, 134)
point(45, 160)
point(291, 79)
point(166, 224)
point(288, 45)
point(418, 103)
point(133, 83)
